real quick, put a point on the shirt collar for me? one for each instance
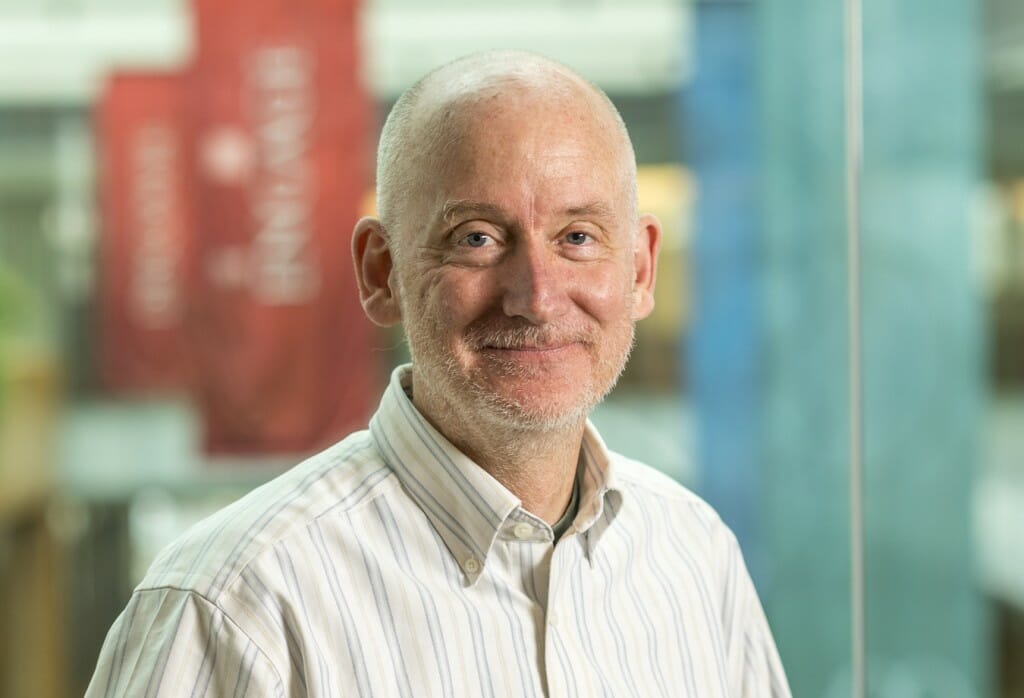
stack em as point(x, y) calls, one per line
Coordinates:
point(601, 495)
point(465, 505)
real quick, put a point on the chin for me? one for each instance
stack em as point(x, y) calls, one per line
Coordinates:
point(519, 417)
point(542, 408)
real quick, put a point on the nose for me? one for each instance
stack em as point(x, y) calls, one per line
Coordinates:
point(534, 284)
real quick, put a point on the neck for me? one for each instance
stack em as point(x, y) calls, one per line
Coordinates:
point(536, 465)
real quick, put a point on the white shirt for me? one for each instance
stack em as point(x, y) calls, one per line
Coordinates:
point(392, 565)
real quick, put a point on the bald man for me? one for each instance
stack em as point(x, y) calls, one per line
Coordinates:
point(478, 539)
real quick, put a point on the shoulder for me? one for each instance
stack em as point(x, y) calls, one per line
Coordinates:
point(675, 519)
point(678, 527)
point(161, 645)
point(211, 554)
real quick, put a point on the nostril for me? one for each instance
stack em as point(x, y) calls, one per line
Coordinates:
point(536, 304)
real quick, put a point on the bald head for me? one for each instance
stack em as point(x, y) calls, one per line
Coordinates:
point(431, 117)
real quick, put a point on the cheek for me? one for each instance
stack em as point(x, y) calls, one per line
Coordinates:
point(451, 300)
point(606, 295)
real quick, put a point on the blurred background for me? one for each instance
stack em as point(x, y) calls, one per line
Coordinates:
point(178, 322)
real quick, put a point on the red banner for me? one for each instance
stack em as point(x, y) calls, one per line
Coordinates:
point(145, 233)
point(285, 359)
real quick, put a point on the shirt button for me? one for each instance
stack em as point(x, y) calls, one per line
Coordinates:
point(522, 531)
point(472, 566)
point(552, 618)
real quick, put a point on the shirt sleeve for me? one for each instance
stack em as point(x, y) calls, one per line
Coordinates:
point(755, 669)
point(172, 642)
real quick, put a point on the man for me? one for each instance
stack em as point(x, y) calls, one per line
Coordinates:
point(478, 539)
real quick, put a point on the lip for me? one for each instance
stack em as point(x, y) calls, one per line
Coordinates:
point(532, 349)
point(527, 353)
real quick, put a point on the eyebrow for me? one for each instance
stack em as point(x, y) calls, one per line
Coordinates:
point(596, 208)
point(457, 207)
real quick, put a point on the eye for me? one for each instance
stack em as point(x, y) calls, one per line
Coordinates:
point(578, 237)
point(476, 239)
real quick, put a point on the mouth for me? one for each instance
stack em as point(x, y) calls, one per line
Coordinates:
point(524, 355)
point(527, 345)
point(529, 348)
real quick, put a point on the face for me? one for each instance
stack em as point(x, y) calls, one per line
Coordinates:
point(521, 277)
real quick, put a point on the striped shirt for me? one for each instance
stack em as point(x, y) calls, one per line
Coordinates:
point(392, 565)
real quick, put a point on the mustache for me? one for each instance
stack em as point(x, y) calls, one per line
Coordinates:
point(503, 336)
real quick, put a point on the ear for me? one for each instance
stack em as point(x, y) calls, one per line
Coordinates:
point(645, 260)
point(371, 252)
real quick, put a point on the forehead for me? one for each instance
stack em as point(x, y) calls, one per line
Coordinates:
point(544, 150)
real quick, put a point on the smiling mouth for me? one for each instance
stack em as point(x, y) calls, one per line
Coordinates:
point(530, 349)
point(529, 354)
point(526, 342)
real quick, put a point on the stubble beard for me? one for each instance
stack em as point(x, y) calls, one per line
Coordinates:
point(466, 393)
